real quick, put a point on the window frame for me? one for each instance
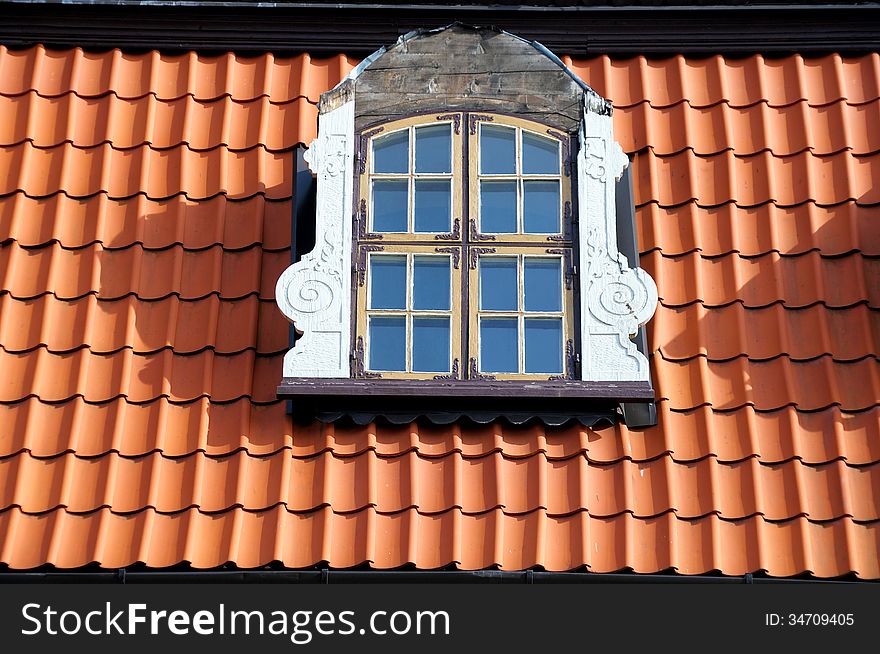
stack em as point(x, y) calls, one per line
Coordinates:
point(465, 247)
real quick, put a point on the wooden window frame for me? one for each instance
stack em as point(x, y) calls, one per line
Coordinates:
point(465, 247)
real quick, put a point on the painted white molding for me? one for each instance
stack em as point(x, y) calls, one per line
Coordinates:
point(615, 299)
point(315, 292)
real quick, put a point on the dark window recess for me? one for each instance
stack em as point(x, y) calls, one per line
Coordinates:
point(302, 223)
point(635, 414)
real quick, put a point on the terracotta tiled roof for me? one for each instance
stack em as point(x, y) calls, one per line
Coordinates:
point(145, 206)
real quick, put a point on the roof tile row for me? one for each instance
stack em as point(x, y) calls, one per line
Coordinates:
point(92, 430)
point(138, 377)
point(740, 82)
point(753, 231)
point(438, 484)
point(159, 174)
point(767, 385)
point(785, 130)
point(722, 333)
point(701, 82)
point(88, 122)
point(91, 74)
point(148, 274)
point(105, 326)
point(512, 542)
point(156, 224)
point(797, 281)
point(755, 179)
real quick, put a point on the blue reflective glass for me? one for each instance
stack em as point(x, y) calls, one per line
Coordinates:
point(498, 207)
point(499, 345)
point(433, 149)
point(498, 287)
point(543, 345)
point(387, 282)
point(541, 207)
point(497, 150)
point(389, 205)
point(431, 286)
point(430, 347)
point(433, 208)
point(542, 284)
point(540, 155)
point(391, 153)
point(387, 343)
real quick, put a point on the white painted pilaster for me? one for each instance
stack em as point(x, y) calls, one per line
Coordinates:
point(315, 293)
point(615, 299)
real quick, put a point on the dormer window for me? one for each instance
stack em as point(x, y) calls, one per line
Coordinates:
point(466, 241)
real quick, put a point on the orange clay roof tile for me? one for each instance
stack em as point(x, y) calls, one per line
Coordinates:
point(437, 484)
point(721, 333)
point(155, 224)
point(129, 123)
point(753, 231)
point(808, 385)
point(145, 207)
point(796, 281)
point(148, 274)
point(757, 179)
point(739, 82)
point(168, 77)
point(511, 542)
point(159, 174)
point(145, 326)
point(797, 127)
point(138, 377)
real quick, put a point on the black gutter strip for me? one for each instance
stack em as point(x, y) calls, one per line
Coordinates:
point(578, 9)
point(387, 576)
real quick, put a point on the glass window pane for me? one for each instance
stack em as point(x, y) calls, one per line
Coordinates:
point(499, 345)
point(430, 349)
point(387, 282)
point(431, 286)
point(433, 206)
point(498, 207)
point(433, 149)
point(391, 153)
point(387, 343)
point(543, 284)
point(541, 207)
point(543, 345)
point(498, 288)
point(389, 205)
point(497, 150)
point(540, 155)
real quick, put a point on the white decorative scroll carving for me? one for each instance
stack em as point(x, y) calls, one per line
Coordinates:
point(615, 299)
point(314, 293)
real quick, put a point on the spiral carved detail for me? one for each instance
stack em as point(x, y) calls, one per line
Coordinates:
point(309, 295)
point(620, 301)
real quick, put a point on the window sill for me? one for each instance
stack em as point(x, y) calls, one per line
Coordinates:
point(443, 402)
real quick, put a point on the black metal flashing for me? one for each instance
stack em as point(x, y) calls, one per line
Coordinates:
point(357, 29)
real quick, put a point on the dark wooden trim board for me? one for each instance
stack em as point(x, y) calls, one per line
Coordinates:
point(406, 388)
point(358, 29)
